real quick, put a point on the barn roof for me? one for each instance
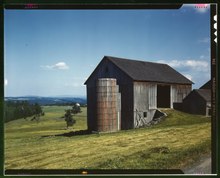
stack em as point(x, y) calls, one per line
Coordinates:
point(146, 71)
point(149, 71)
point(206, 85)
point(204, 93)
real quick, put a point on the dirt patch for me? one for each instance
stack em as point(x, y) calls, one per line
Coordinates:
point(203, 166)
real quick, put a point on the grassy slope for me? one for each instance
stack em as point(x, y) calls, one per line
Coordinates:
point(177, 141)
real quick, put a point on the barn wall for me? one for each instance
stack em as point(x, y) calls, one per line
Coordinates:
point(107, 69)
point(145, 102)
point(145, 95)
point(127, 120)
point(208, 108)
point(152, 96)
point(194, 104)
point(145, 99)
point(179, 92)
point(91, 108)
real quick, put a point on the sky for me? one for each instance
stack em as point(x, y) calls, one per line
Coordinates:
point(53, 52)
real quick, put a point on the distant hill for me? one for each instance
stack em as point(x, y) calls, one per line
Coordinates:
point(48, 100)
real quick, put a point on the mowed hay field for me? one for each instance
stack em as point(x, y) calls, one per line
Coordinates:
point(179, 140)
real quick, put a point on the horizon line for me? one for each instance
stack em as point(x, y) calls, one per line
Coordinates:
point(78, 96)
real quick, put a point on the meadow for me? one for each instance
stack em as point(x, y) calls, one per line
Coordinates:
point(176, 142)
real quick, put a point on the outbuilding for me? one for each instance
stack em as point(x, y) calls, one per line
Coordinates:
point(198, 101)
point(206, 86)
point(125, 94)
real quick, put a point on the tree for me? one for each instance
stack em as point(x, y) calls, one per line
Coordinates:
point(76, 108)
point(22, 109)
point(37, 109)
point(37, 112)
point(69, 118)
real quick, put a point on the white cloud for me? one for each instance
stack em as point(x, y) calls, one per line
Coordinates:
point(199, 65)
point(197, 71)
point(59, 66)
point(6, 82)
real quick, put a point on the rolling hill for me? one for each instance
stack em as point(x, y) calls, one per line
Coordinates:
point(48, 100)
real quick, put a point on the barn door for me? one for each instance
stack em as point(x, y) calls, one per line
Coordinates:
point(163, 96)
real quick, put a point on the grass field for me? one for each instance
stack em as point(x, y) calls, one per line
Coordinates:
point(176, 142)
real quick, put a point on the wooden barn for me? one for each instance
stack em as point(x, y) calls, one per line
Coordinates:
point(124, 94)
point(207, 85)
point(198, 101)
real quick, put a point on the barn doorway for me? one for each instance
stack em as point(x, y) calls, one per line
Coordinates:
point(163, 96)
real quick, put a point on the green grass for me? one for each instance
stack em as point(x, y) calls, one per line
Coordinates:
point(176, 142)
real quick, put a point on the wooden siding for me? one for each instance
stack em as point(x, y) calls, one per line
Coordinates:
point(145, 96)
point(179, 92)
point(194, 104)
point(107, 69)
point(145, 99)
point(144, 102)
point(208, 108)
point(92, 108)
point(152, 96)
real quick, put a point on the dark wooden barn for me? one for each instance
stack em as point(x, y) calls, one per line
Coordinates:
point(207, 85)
point(198, 102)
point(137, 89)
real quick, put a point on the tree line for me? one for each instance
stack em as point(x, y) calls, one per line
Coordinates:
point(21, 109)
point(65, 104)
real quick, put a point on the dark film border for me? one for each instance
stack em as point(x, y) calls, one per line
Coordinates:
point(89, 172)
point(214, 124)
point(82, 6)
point(214, 64)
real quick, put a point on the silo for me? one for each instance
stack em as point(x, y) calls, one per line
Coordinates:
point(107, 105)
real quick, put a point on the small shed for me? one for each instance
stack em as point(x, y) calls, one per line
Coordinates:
point(125, 94)
point(198, 102)
point(207, 85)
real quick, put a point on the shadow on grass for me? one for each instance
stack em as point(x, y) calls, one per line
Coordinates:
point(71, 134)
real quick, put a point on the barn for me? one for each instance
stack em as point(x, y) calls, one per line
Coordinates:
point(198, 101)
point(125, 94)
point(207, 85)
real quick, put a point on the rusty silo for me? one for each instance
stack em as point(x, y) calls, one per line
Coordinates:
point(107, 105)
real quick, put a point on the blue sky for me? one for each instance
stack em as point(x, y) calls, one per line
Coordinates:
point(53, 52)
